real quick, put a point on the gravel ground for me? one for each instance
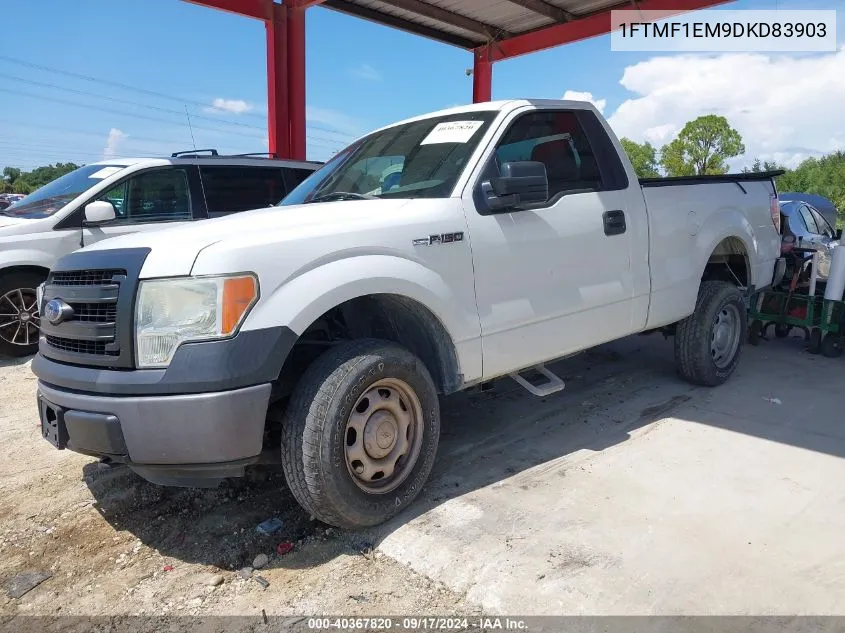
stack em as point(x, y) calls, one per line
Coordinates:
point(113, 544)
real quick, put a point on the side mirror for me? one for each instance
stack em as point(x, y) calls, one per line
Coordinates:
point(521, 182)
point(99, 212)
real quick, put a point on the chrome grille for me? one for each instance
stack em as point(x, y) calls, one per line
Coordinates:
point(91, 330)
point(95, 312)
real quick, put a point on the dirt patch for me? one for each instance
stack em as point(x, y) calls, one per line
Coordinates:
point(113, 544)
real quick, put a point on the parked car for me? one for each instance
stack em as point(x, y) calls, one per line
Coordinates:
point(804, 226)
point(821, 204)
point(116, 197)
point(516, 233)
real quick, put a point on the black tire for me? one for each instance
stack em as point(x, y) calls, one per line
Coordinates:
point(815, 343)
point(782, 330)
point(315, 433)
point(13, 336)
point(694, 336)
point(832, 346)
point(755, 332)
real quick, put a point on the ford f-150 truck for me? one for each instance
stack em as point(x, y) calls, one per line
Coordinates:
point(430, 256)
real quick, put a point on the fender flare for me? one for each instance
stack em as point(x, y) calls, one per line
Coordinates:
point(303, 298)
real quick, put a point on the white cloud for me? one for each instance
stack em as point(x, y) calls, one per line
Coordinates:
point(113, 142)
point(786, 107)
point(367, 72)
point(233, 106)
point(574, 95)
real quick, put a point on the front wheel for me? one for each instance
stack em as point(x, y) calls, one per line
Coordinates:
point(360, 433)
point(19, 317)
point(708, 343)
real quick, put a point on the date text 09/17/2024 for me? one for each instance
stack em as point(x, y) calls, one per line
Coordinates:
point(417, 624)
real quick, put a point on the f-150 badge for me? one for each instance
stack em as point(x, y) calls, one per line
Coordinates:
point(443, 238)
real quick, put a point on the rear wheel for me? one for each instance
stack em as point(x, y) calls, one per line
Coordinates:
point(19, 317)
point(708, 343)
point(360, 433)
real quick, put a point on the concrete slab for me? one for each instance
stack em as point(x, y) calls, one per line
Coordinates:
point(632, 492)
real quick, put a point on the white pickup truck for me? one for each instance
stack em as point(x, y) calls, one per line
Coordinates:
point(428, 257)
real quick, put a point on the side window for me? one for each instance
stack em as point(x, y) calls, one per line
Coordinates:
point(824, 227)
point(809, 221)
point(160, 195)
point(233, 189)
point(557, 140)
point(117, 196)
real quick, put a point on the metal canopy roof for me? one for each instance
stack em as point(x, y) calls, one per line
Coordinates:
point(492, 29)
point(473, 23)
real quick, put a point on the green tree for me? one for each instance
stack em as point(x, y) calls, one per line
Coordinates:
point(762, 166)
point(643, 157)
point(823, 176)
point(10, 175)
point(18, 181)
point(702, 147)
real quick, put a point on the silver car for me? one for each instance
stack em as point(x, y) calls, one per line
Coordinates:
point(809, 229)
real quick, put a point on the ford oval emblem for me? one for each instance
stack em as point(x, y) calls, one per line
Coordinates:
point(57, 311)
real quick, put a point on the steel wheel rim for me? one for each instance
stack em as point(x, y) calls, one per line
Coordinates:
point(383, 436)
point(724, 339)
point(19, 318)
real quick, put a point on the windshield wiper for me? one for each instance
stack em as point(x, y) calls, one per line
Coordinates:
point(342, 195)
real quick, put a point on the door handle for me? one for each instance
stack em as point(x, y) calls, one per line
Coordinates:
point(614, 222)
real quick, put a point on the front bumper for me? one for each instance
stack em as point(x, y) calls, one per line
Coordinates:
point(198, 421)
point(188, 440)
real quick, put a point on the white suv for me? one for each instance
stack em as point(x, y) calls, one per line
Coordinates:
point(115, 197)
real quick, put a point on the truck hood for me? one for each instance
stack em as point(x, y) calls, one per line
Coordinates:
point(16, 226)
point(173, 251)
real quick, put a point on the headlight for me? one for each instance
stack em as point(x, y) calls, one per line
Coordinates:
point(171, 311)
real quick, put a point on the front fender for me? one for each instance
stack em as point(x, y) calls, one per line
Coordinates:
point(302, 299)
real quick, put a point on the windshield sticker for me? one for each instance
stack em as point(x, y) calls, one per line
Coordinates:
point(452, 132)
point(105, 172)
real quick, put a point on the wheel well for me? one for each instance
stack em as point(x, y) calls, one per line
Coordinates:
point(12, 270)
point(728, 262)
point(390, 317)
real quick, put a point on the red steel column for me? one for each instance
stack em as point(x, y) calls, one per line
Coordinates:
point(278, 126)
point(296, 80)
point(482, 75)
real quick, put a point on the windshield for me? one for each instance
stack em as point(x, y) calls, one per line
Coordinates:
point(421, 159)
point(47, 200)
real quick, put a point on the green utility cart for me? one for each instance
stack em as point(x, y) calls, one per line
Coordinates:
point(822, 320)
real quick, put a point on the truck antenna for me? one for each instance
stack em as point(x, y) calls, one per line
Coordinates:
point(190, 127)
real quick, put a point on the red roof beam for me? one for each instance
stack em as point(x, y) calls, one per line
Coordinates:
point(303, 4)
point(258, 9)
point(586, 27)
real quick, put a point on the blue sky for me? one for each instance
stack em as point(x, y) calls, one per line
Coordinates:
point(359, 76)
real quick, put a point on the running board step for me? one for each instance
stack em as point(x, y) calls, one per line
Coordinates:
point(553, 385)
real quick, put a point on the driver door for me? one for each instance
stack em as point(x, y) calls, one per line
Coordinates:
point(556, 278)
point(147, 201)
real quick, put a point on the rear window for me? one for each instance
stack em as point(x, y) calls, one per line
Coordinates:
point(233, 189)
